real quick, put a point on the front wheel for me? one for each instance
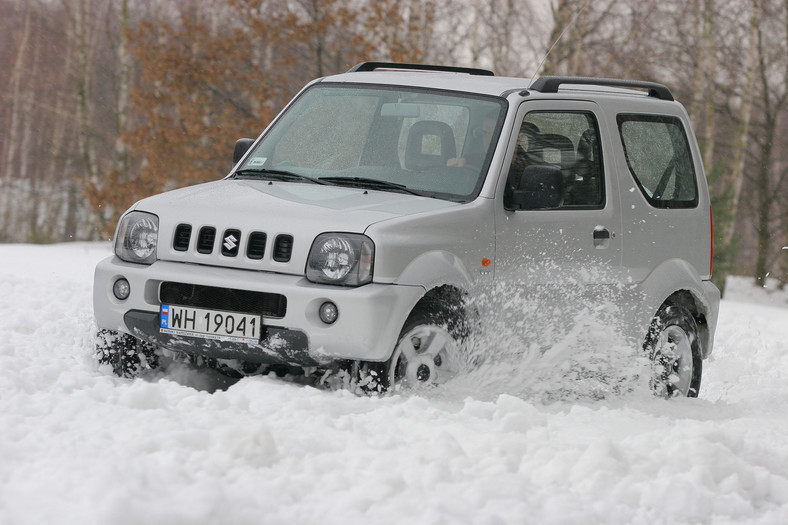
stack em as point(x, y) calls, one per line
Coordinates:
point(674, 349)
point(427, 353)
point(127, 355)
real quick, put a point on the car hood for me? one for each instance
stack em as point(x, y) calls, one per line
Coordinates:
point(299, 210)
point(288, 204)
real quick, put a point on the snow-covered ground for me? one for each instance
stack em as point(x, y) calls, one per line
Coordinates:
point(78, 445)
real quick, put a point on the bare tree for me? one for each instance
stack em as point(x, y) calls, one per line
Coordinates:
point(769, 182)
point(704, 86)
point(740, 148)
point(12, 144)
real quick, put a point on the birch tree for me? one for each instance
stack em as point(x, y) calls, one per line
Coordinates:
point(11, 144)
point(740, 144)
point(704, 85)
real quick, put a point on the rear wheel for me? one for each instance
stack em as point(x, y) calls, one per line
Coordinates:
point(675, 353)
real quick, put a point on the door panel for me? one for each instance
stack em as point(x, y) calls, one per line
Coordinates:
point(580, 241)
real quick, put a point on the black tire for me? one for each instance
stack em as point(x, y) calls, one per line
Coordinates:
point(127, 355)
point(427, 353)
point(674, 349)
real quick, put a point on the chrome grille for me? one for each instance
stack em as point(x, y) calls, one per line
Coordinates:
point(232, 242)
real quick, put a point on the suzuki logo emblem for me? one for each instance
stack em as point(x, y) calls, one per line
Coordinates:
point(230, 242)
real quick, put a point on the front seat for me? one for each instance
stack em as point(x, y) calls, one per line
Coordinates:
point(421, 154)
point(557, 150)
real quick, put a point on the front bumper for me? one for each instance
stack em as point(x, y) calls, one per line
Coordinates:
point(370, 316)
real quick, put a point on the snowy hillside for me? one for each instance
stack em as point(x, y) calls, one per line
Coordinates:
point(78, 445)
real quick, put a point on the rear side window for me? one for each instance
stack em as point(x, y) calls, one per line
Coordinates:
point(659, 158)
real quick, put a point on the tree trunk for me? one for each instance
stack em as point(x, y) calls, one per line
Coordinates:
point(740, 141)
point(80, 34)
point(31, 205)
point(82, 38)
point(476, 48)
point(764, 201)
point(708, 71)
point(501, 48)
point(699, 81)
point(562, 17)
point(784, 250)
point(12, 140)
point(60, 160)
point(121, 150)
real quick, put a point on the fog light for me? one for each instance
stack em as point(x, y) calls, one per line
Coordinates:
point(328, 312)
point(121, 289)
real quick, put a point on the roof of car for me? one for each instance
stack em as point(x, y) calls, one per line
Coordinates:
point(481, 81)
point(487, 85)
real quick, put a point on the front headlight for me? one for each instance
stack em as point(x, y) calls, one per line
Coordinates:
point(341, 258)
point(138, 235)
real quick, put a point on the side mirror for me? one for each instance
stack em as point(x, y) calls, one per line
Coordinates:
point(241, 147)
point(538, 188)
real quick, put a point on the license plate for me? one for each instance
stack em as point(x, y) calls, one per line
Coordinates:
point(210, 324)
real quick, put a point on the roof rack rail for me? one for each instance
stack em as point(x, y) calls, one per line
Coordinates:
point(549, 84)
point(371, 66)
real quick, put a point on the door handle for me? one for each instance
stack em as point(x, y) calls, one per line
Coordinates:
point(601, 237)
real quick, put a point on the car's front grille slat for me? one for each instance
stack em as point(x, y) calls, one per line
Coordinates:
point(182, 237)
point(283, 248)
point(206, 239)
point(255, 248)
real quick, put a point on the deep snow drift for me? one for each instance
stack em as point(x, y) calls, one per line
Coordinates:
point(78, 445)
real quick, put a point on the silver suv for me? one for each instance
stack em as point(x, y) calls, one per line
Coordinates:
point(351, 234)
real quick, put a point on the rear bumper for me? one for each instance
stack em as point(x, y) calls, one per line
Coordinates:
point(711, 295)
point(370, 317)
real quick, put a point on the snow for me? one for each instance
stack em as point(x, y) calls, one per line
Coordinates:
point(78, 445)
point(743, 289)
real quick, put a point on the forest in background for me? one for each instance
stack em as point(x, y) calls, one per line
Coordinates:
point(108, 101)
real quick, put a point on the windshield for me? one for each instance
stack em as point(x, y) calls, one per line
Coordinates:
point(420, 141)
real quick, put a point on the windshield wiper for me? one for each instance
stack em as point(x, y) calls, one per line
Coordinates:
point(271, 174)
point(375, 184)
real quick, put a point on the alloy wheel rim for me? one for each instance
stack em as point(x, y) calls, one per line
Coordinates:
point(426, 355)
point(674, 356)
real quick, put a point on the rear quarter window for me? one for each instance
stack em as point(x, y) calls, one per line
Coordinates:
point(659, 158)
